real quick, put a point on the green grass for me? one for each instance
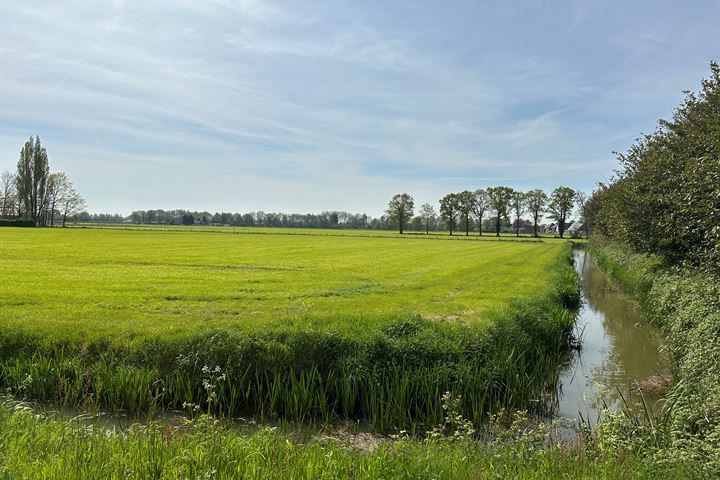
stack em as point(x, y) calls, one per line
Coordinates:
point(116, 283)
point(301, 326)
point(333, 232)
point(32, 446)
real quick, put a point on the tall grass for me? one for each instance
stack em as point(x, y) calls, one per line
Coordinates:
point(35, 446)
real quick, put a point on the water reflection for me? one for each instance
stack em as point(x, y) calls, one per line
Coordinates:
point(619, 348)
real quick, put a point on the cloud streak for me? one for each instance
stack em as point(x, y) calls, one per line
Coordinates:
point(241, 105)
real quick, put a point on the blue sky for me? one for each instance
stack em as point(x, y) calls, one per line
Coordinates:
point(243, 105)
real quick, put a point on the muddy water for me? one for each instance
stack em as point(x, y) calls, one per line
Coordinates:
point(620, 350)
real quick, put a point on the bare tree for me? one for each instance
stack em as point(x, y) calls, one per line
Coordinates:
point(581, 200)
point(427, 213)
point(8, 194)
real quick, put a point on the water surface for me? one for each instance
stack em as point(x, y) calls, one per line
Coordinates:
point(619, 349)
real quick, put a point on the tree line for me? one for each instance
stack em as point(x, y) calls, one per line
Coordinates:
point(329, 219)
point(665, 199)
point(35, 195)
point(490, 209)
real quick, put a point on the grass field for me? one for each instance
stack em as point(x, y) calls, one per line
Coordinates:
point(90, 283)
point(298, 326)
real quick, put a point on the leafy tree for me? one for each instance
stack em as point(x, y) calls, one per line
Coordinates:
point(465, 204)
point(499, 199)
point(31, 180)
point(536, 201)
point(427, 213)
point(449, 210)
point(666, 198)
point(560, 206)
point(480, 205)
point(518, 204)
point(7, 194)
point(400, 210)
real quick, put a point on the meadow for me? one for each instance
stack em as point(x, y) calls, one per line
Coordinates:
point(303, 327)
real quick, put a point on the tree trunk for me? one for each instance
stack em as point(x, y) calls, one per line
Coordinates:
point(427, 227)
point(64, 218)
point(535, 225)
point(467, 225)
point(497, 226)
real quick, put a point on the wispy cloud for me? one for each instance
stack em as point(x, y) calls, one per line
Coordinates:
point(247, 104)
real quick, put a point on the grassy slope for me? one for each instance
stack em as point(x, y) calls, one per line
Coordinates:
point(302, 326)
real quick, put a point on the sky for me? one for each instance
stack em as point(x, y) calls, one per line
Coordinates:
point(305, 106)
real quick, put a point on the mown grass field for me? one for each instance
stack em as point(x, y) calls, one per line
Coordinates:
point(293, 326)
point(123, 284)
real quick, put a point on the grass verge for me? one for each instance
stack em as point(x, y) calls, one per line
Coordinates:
point(686, 305)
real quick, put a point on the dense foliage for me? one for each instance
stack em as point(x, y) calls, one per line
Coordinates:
point(666, 198)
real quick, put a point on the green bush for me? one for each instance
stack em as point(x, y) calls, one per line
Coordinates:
point(17, 222)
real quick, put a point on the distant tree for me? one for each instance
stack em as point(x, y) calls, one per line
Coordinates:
point(465, 203)
point(188, 219)
point(560, 206)
point(31, 180)
point(581, 200)
point(69, 202)
point(334, 220)
point(499, 199)
point(7, 194)
point(417, 223)
point(480, 205)
point(427, 213)
point(400, 210)
point(536, 201)
point(518, 204)
point(57, 186)
point(449, 210)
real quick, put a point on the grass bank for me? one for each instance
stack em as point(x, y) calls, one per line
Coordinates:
point(33, 446)
point(686, 305)
point(138, 321)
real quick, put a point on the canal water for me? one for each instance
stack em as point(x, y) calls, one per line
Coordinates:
point(622, 359)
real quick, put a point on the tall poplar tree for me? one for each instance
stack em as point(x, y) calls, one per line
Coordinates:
point(32, 180)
